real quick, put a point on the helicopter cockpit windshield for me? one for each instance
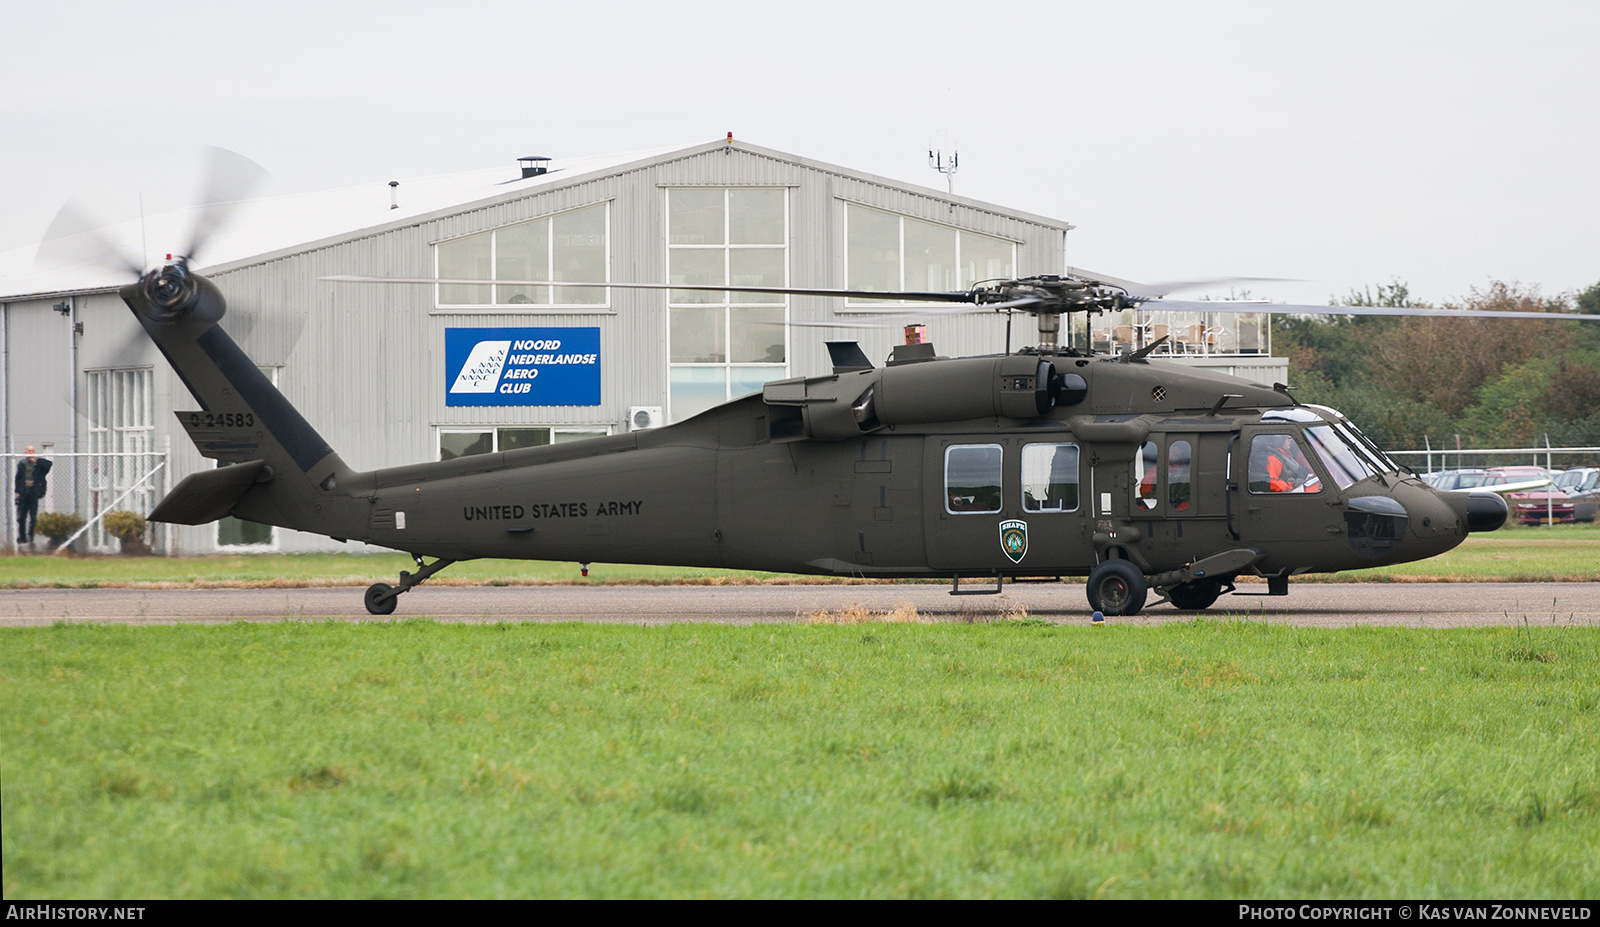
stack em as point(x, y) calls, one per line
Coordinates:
point(1343, 462)
point(1357, 439)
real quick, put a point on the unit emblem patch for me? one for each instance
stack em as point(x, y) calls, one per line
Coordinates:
point(1014, 539)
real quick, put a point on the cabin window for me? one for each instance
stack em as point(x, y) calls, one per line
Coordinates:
point(724, 344)
point(1277, 465)
point(1050, 478)
point(885, 251)
point(1144, 474)
point(1179, 461)
point(566, 246)
point(972, 479)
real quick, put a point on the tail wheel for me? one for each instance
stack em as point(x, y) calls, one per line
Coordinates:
point(1116, 587)
point(1196, 595)
point(380, 600)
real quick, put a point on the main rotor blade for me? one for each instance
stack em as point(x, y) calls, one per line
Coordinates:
point(230, 179)
point(877, 320)
point(1163, 287)
point(1206, 305)
point(74, 238)
point(903, 296)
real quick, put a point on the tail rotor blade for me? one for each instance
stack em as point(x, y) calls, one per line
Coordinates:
point(230, 179)
point(75, 239)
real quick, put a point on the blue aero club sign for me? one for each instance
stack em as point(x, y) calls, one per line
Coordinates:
point(522, 366)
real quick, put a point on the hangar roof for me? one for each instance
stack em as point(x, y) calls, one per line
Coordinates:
point(261, 227)
point(78, 264)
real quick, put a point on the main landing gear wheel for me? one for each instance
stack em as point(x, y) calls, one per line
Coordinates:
point(382, 597)
point(380, 601)
point(1116, 587)
point(1195, 595)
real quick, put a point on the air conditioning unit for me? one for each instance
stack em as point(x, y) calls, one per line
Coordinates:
point(642, 417)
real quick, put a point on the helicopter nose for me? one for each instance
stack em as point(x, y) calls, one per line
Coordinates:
point(1486, 511)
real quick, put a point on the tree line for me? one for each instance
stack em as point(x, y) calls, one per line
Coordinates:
point(1492, 382)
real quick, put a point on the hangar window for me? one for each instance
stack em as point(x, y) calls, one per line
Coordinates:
point(465, 442)
point(566, 246)
point(121, 432)
point(885, 251)
point(725, 344)
point(1050, 478)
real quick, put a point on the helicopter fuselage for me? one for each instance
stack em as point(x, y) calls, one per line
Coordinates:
point(1141, 474)
point(905, 500)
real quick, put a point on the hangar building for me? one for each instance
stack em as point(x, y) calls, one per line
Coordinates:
point(393, 373)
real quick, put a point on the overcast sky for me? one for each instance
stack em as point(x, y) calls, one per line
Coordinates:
point(1442, 142)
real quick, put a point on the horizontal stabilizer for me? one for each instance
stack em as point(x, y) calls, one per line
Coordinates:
point(207, 495)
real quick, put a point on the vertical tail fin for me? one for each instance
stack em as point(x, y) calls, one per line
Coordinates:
point(243, 419)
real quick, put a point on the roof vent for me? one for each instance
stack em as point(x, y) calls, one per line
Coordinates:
point(534, 165)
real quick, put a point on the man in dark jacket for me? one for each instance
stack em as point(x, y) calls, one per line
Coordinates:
point(30, 488)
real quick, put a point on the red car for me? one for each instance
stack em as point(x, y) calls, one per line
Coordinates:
point(1533, 504)
point(1542, 506)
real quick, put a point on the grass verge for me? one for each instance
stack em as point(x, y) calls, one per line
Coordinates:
point(879, 759)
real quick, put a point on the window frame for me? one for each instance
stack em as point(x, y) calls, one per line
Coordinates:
point(119, 420)
point(867, 306)
point(603, 306)
point(1309, 459)
point(999, 485)
point(1077, 478)
point(555, 433)
point(726, 304)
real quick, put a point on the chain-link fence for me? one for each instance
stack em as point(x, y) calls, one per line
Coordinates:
point(88, 486)
point(1432, 459)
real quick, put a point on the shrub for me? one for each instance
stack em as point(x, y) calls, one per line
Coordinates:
point(124, 525)
point(58, 526)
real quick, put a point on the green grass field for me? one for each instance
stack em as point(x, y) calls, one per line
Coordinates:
point(1011, 759)
point(1562, 553)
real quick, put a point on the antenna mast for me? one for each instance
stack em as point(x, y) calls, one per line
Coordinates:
point(947, 168)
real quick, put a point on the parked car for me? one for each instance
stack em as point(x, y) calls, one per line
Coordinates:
point(1543, 506)
point(1583, 485)
point(1455, 479)
point(1515, 479)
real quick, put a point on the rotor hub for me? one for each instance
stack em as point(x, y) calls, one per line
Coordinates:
point(169, 287)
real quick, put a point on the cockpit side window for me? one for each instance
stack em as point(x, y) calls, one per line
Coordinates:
point(1277, 465)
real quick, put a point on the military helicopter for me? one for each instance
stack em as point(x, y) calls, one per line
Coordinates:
point(1033, 465)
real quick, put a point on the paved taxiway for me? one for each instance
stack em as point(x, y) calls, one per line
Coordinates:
point(1417, 605)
